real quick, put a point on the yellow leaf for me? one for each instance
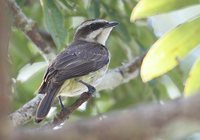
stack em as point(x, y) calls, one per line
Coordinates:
point(147, 8)
point(174, 45)
point(193, 82)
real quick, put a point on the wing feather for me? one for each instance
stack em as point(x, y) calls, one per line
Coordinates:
point(78, 59)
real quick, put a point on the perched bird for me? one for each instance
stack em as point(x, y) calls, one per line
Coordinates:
point(80, 67)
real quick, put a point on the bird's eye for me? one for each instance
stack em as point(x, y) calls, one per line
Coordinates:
point(94, 27)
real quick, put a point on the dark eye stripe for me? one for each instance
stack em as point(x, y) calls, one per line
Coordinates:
point(95, 26)
point(84, 31)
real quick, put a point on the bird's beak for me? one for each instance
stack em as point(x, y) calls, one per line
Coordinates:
point(111, 24)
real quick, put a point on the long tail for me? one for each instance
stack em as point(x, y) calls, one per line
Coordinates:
point(46, 102)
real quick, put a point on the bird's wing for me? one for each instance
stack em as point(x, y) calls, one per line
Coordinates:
point(77, 60)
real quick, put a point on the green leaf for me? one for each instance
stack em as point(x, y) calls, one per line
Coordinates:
point(147, 8)
point(54, 22)
point(31, 76)
point(19, 53)
point(193, 81)
point(145, 36)
point(94, 9)
point(173, 46)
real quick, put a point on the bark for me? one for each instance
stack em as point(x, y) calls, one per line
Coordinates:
point(173, 120)
point(4, 82)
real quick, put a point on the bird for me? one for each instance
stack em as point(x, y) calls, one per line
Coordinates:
point(79, 68)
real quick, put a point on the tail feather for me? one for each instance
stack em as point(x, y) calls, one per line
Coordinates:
point(45, 103)
point(43, 88)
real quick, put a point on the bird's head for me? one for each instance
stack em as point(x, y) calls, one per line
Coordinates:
point(96, 30)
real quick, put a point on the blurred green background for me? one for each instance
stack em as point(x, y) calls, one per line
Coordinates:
point(127, 41)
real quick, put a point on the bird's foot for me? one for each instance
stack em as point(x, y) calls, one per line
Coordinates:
point(61, 103)
point(91, 89)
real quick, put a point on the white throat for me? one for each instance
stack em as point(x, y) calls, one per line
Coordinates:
point(99, 36)
point(104, 36)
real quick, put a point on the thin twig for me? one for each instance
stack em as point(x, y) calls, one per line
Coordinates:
point(64, 114)
point(28, 26)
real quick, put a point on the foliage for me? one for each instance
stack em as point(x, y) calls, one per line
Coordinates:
point(128, 40)
point(147, 8)
point(171, 48)
point(54, 22)
point(192, 83)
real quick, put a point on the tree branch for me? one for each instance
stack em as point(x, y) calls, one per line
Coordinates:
point(28, 26)
point(112, 79)
point(4, 80)
point(64, 114)
point(173, 120)
point(26, 112)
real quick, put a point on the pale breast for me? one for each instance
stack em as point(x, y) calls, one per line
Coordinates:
point(72, 88)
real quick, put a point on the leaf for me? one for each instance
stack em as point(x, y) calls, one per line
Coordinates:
point(147, 8)
point(94, 9)
point(145, 36)
point(19, 53)
point(193, 81)
point(31, 76)
point(174, 45)
point(122, 28)
point(54, 22)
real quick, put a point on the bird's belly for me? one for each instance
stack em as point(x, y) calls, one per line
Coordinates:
point(72, 87)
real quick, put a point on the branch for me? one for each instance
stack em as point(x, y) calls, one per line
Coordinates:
point(112, 79)
point(26, 112)
point(174, 120)
point(4, 82)
point(64, 114)
point(29, 28)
